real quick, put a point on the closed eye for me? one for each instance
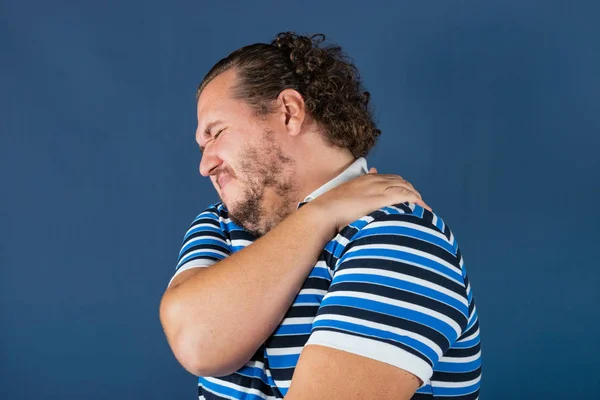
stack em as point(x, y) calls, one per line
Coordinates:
point(218, 133)
point(215, 136)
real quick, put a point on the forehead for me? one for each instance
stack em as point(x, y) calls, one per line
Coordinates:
point(215, 96)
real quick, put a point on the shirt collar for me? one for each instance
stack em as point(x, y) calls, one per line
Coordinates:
point(356, 169)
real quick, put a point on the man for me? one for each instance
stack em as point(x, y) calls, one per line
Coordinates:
point(313, 278)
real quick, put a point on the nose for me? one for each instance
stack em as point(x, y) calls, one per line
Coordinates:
point(209, 161)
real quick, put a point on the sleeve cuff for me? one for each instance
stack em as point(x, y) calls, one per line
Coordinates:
point(198, 263)
point(375, 350)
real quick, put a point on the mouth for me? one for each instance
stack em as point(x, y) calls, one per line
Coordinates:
point(223, 180)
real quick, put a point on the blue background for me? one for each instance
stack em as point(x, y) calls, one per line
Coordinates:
point(491, 109)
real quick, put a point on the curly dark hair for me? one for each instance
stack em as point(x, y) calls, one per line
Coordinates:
point(324, 75)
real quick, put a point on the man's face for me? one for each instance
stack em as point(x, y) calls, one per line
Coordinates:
point(244, 158)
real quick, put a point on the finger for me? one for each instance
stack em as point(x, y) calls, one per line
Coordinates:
point(401, 183)
point(424, 205)
point(410, 186)
point(373, 170)
point(401, 194)
point(391, 176)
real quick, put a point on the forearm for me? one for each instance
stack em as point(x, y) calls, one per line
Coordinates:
point(219, 316)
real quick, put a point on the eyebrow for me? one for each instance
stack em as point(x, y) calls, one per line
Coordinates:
point(208, 129)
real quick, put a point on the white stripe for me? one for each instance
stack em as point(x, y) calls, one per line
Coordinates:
point(402, 304)
point(203, 237)
point(255, 364)
point(208, 251)
point(406, 278)
point(241, 242)
point(203, 225)
point(297, 321)
point(323, 265)
point(375, 350)
point(198, 263)
point(319, 292)
point(406, 224)
point(238, 388)
point(284, 351)
point(401, 211)
point(470, 337)
point(341, 240)
point(375, 325)
point(461, 360)
point(435, 271)
point(224, 220)
point(473, 315)
point(404, 249)
point(283, 384)
point(205, 389)
point(456, 384)
point(206, 214)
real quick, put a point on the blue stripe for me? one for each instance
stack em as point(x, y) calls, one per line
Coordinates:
point(207, 215)
point(283, 361)
point(393, 211)
point(335, 248)
point(378, 333)
point(404, 256)
point(402, 285)
point(254, 372)
point(418, 211)
point(223, 390)
point(440, 224)
point(203, 229)
point(358, 224)
point(297, 329)
point(461, 391)
point(383, 308)
point(235, 249)
point(471, 322)
point(319, 272)
point(308, 298)
point(458, 367)
point(424, 390)
point(405, 231)
point(197, 242)
point(202, 254)
point(467, 344)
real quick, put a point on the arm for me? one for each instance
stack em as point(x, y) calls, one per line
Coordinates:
point(396, 304)
point(328, 374)
point(216, 318)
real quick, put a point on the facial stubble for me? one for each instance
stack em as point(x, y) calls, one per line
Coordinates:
point(265, 169)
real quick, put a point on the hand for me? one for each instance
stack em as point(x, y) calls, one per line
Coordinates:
point(360, 196)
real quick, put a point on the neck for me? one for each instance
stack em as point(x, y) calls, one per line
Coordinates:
point(318, 169)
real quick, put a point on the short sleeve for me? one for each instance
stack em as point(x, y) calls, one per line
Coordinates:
point(204, 243)
point(397, 296)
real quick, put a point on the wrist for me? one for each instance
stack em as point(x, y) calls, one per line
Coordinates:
point(320, 215)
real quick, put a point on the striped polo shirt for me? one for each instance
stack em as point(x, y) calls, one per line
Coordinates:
point(391, 286)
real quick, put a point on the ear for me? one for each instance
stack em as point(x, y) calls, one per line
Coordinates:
point(292, 110)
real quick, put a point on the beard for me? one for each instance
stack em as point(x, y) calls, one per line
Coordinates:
point(267, 173)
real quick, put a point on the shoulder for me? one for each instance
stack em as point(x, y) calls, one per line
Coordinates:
point(212, 218)
point(215, 211)
point(406, 220)
point(216, 217)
